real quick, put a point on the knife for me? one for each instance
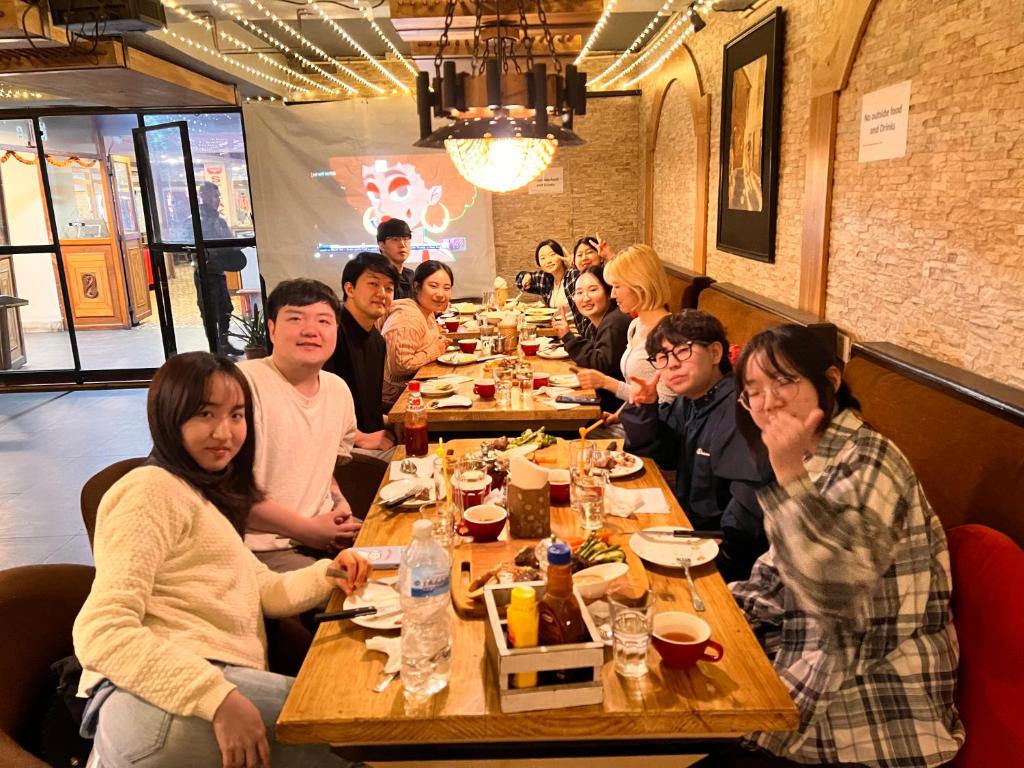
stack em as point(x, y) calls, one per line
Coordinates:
point(397, 501)
point(685, 533)
point(348, 613)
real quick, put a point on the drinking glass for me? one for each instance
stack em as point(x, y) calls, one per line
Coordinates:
point(587, 496)
point(524, 380)
point(471, 484)
point(442, 512)
point(632, 611)
point(487, 300)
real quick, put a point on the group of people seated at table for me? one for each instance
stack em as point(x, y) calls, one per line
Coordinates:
point(831, 549)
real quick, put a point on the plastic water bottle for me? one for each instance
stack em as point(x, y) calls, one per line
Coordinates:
point(424, 583)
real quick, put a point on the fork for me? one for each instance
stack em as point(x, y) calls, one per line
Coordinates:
point(698, 604)
point(384, 682)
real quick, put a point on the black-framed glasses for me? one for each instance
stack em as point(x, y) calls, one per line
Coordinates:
point(398, 239)
point(782, 388)
point(681, 353)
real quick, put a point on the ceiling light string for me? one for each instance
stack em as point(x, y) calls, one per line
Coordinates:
point(17, 93)
point(368, 15)
point(227, 60)
point(667, 34)
point(348, 39)
point(601, 22)
point(187, 14)
point(636, 44)
point(317, 85)
point(263, 34)
point(690, 29)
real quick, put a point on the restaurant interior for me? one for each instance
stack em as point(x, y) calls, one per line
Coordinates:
point(851, 169)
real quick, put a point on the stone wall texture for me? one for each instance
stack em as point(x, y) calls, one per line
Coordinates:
point(601, 189)
point(674, 182)
point(927, 251)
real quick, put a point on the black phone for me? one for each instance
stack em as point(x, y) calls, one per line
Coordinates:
point(577, 399)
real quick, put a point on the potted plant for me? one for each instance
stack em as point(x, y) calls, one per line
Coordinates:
point(253, 332)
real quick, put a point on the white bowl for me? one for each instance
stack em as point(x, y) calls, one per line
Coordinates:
point(593, 582)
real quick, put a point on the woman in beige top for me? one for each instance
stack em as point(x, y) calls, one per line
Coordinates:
point(411, 330)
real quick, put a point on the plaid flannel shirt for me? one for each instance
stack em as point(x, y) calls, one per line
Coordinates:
point(852, 601)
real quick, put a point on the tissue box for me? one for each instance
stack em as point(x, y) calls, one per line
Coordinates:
point(529, 512)
point(583, 661)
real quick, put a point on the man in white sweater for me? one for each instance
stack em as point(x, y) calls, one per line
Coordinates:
point(305, 420)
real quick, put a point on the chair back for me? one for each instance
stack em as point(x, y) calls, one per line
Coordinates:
point(359, 480)
point(99, 484)
point(988, 611)
point(38, 606)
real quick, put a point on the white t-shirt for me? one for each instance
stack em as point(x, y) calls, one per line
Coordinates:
point(298, 441)
point(635, 363)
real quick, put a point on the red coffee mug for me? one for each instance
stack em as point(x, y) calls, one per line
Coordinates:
point(451, 325)
point(467, 345)
point(682, 640)
point(540, 379)
point(558, 486)
point(530, 347)
point(484, 522)
point(484, 388)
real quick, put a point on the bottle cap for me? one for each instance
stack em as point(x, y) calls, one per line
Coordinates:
point(414, 386)
point(422, 529)
point(559, 554)
point(524, 596)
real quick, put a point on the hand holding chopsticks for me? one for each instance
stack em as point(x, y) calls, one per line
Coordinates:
point(355, 568)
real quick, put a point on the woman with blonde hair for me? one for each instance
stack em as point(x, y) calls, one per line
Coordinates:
point(640, 286)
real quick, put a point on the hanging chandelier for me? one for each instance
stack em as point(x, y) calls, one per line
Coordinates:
point(508, 115)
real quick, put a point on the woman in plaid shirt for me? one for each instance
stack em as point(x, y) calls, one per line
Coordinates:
point(852, 599)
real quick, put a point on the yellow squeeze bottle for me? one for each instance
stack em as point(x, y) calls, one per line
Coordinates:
point(522, 629)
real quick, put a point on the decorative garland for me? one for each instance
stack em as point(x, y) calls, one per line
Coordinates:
point(31, 160)
point(73, 159)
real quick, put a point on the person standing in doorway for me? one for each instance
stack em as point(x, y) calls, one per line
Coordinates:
point(394, 238)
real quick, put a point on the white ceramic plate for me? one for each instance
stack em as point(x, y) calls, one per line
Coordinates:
point(384, 598)
point(564, 380)
point(557, 353)
point(666, 551)
point(594, 581)
point(396, 488)
point(465, 308)
point(540, 311)
point(437, 388)
point(625, 470)
point(456, 358)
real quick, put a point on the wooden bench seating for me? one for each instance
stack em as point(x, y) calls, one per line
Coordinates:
point(745, 314)
point(685, 286)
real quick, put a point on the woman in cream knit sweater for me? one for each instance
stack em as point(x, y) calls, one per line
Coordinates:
point(171, 637)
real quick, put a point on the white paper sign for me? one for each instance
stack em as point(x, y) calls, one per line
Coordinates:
point(883, 123)
point(548, 183)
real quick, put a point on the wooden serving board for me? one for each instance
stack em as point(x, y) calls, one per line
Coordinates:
point(472, 560)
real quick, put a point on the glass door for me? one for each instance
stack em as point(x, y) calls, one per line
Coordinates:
point(192, 248)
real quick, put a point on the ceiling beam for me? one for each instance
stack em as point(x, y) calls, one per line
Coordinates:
point(462, 47)
point(424, 19)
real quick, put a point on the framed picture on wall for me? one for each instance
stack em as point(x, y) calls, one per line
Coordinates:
point(749, 148)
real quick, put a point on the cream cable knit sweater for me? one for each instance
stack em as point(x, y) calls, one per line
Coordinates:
point(176, 588)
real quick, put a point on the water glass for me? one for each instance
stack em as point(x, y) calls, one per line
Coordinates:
point(586, 491)
point(524, 380)
point(471, 483)
point(632, 611)
point(503, 392)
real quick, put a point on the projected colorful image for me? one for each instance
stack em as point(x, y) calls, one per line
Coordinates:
point(424, 190)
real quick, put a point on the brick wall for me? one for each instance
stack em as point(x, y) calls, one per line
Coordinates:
point(601, 189)
point(673, 184)
point(927, 250)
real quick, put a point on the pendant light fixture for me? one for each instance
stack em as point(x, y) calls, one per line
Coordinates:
point(508, 115)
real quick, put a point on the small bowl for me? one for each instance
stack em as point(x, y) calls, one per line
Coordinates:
point(594, 581)
point(484, 522)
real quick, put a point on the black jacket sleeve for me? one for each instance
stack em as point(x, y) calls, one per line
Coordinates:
point(654, 430)
point(604, 351)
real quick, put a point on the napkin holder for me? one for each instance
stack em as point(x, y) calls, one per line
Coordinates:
point(529, 512)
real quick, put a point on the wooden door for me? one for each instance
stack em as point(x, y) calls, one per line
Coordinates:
point(13, 353)
point(130, 237)
point(95, 284)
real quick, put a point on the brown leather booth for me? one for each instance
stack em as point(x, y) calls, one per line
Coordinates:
point(685, 286)
point(962, 433)
point(745, 314)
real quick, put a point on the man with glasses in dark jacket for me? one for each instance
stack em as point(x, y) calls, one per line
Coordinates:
point(717, 476)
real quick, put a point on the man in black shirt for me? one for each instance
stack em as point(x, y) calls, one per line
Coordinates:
point(368, 282)
point(394, 238)
point(717, 475)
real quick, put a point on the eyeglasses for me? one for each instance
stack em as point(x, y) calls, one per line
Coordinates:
point(398, 239)
point(681, 353)
point(582, 294)
point(781, 388)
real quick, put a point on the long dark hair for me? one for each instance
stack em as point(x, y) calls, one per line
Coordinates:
point(178, 391)
point(425, 270)
point(598, 273)
point(792, 350)
point(555, 246)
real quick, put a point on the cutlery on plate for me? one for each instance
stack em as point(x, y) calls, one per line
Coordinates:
point(348, 613)
point(683, 533)
point(398, 500)
point(698, 604)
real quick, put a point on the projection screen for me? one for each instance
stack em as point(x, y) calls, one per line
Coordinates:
point(324, 175)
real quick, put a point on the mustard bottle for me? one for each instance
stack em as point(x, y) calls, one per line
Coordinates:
point(522, 629)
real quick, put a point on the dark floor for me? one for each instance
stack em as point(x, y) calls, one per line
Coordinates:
point(50, 444)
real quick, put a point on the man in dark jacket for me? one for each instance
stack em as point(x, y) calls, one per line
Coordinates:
point(717, 476)
point(394, 238)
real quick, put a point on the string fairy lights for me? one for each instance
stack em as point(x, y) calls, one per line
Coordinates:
point(228, 60)
point(598, 27)
point(19, 94)
point(636, 44)
point(368, 15)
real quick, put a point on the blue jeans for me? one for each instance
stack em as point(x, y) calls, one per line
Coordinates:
point(132, 732)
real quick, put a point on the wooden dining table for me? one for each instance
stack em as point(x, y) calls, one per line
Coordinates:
point(485, 415)
point(668, 710)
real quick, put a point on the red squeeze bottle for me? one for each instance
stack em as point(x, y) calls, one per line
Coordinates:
point(417, 437)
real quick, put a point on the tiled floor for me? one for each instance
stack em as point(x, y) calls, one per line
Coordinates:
point(50, 444)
